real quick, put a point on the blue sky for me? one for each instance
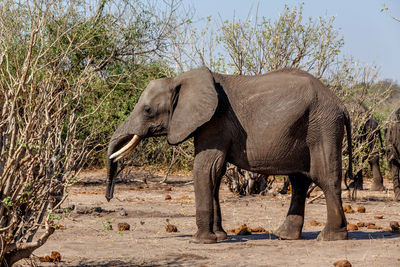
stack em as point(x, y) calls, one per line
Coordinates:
point(370, 35)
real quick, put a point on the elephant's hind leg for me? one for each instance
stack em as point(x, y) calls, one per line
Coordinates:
point(327, 174)
point(292, 226)
point(394, 168)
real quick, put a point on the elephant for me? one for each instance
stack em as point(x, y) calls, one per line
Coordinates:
point(243, 182)
point(392, 139)
point(284, 122)
point(369, 135)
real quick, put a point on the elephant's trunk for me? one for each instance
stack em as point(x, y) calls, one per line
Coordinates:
point(111, 171)
point(117, 150)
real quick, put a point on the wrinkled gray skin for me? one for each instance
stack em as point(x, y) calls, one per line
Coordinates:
point(392, 138)
point(283, 123)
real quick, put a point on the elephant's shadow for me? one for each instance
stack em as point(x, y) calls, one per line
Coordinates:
point(357, 235)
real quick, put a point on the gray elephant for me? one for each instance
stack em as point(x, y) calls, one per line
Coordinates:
point(282, 123)
point(392, 138)
point(368, 137)
point(243, 182)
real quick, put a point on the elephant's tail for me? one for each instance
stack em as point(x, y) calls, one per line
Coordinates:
point(349, 172)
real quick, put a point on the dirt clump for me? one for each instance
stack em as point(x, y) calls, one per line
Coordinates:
point(168, 197)
point(342, 263)
point(315, 223)
point(394, 225)
point(123, 226)
point(361, 224)
point(55, 256)
point(170, 228)
point(378, 217)
point(245, 230)
point(348, 209)
point(352, 227)
point(258, 229)
point(373, 226)
point(361, 209)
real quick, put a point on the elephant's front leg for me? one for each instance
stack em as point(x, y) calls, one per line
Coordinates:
point(208, 170)
point(217, 226)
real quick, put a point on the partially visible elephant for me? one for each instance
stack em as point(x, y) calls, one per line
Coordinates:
point(367, 138)
point(392, 138)
point(282, 123)
point(244, 182)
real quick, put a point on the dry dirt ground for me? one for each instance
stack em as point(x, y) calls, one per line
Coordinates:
point(87, 239)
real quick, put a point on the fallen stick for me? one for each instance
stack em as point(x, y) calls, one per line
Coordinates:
point(315, 198)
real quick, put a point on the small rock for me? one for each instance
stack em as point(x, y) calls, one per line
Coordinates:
point(361, 209)
point(361, 224)
point(123, 226)
point(83, 210)
point(98, 209)
point(123, 212)
point(66, 209)
point(348, 209)
point(395, 226)
point(352, 227)
point(168, 189)
point(379, 217)
point(342, 263)
point(369, 224)
point(170, 228)
point(168, 197)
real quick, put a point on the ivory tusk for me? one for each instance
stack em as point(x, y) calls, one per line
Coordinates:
point(129, 147)
point(123, 155)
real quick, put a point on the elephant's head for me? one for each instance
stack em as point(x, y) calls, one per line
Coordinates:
point(169, 106)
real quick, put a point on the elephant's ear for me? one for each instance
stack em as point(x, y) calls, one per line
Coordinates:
point(194, 101)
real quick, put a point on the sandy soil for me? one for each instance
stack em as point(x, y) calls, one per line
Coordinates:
point(88, 241)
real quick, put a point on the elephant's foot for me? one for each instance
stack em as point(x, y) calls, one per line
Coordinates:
point(290, 228)
point(331, 235)
point(377, 187)
point(397, 194)
point(221, 235)
point(204, 238)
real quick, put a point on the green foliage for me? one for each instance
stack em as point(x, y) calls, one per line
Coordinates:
point(118, 98)
point(257, 47)
point(107, 224)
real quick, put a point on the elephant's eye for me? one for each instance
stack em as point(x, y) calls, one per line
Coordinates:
point(147, 111)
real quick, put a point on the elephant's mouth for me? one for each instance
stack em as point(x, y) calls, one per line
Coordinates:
point(126, 149)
